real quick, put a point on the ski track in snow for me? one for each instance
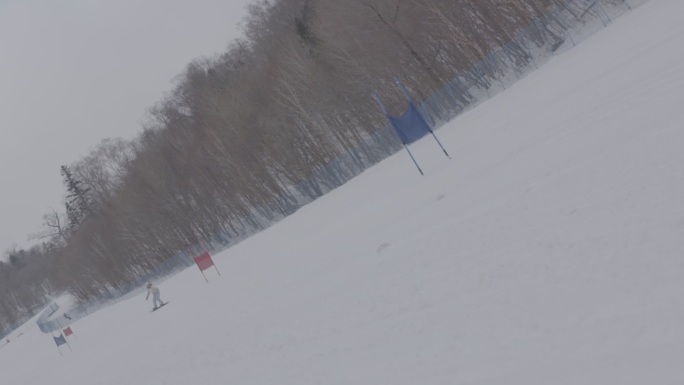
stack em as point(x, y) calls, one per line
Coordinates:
point(549, 250)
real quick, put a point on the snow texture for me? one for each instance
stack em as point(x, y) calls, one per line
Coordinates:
point(549, 250)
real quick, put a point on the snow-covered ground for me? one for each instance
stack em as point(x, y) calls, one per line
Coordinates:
point(549, 250)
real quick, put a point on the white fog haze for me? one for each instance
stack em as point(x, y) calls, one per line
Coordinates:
point(75, 72)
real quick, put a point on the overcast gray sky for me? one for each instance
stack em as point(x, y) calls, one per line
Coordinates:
point(73, 72)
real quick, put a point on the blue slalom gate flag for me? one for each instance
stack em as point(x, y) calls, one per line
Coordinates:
point(410, 126)
point(60, 340)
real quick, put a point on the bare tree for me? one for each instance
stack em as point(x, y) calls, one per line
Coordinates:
point(55, 228)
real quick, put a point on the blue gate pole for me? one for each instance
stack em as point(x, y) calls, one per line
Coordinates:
point(384, 111)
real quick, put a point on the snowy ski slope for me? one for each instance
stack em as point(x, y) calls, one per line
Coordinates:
point(549, 250)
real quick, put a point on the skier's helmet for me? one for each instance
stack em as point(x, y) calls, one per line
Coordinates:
point(148, 285)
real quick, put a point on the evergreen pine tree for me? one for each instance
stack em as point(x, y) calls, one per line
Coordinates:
point(77, 201)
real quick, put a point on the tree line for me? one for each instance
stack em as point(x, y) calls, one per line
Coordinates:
point(250, 135)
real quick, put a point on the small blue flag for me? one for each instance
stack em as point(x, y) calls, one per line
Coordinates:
point(60, 340)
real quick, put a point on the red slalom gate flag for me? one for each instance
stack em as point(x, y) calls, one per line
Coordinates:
point(204, 262)
point(68, 332)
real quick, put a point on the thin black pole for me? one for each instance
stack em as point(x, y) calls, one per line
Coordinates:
point(65, 340)
point(440, 144)
point(433, 134)
point(413, 159)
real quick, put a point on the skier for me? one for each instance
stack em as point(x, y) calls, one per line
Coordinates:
point(155, 296)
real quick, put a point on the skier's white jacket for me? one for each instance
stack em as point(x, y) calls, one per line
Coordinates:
point(152, 290)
